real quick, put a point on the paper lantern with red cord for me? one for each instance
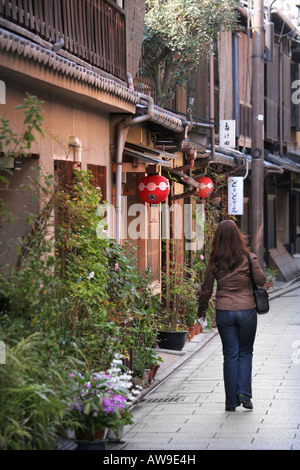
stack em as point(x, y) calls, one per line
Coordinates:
point(206, 186)
point(154, 189)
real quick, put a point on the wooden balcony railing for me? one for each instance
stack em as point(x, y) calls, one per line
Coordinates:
point(93, 30)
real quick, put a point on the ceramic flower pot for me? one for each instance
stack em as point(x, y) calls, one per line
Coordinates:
point(112, 436)
point(153, 371)
point(174, 340)
point(146, 377)
point(99, 434)
point(97, 443)
point(191, 332)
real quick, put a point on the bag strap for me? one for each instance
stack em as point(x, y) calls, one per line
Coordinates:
point(254, 286)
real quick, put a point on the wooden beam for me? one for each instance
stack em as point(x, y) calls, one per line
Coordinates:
point(129, 168)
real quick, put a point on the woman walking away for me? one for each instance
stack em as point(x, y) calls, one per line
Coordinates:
point(236, 316)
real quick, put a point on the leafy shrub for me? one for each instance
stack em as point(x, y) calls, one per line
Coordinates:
point(33, 397)
point(70, 294)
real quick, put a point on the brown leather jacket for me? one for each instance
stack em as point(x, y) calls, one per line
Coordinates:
point(234, 290)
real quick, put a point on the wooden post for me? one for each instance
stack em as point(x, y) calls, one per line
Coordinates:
point(257, 164)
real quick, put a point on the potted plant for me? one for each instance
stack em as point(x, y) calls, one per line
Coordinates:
point(154, 360)
point(191, 317)
point(122, 379)
point(100, 402)
point(179, 289)
point(145, 365)
point(271, 276)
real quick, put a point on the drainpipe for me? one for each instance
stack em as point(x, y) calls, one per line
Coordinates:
point(212, 84)
point(191, 155)
point(121, 138)
point(193, 192)
point(209, 126)
point(235, 84)
point(212, 99)
point(280, 100)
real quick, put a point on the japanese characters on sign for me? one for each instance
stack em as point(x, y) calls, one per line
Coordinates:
point(235, 195)
point(227, 133)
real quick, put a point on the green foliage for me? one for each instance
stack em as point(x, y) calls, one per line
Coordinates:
point(177, 34)
point(84, 264)
point(190, 316)
point(32, 399)
point(270, 273)
point(33, 121)
point(70, 294)
point(87, 275)
point(99, 402)
point(143, 337)
point(132, 305)
point(179, 295)
point(30, 292)
point(12, 144)
point(123, 281)
point(33, 381)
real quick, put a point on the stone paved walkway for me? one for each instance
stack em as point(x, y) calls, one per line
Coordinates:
point(187, 411)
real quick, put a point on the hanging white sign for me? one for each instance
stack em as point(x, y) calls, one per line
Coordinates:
point(227, 133)
point(235, 195)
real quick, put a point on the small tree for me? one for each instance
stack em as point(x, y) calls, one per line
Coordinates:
point(13, 145)
point(177, 34)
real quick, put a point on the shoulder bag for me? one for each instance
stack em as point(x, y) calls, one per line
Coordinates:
point(261, 296)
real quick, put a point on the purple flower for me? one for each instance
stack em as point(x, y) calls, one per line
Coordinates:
point(107, 405)
point(119, 399)
point(78, 407)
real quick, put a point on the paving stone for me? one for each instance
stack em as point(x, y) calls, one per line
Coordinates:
point(238, 430)
point(188, 445)
point(198, 420)
point(230, 444)
point(153, 437)
point(280, 425)
point(178, 409)
point(263, 443)
point(275, 433)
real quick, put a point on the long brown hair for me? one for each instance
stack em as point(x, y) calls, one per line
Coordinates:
point(228, 247)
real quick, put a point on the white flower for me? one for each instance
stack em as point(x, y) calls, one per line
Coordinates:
point(131, 398)
point(92, 274)
point(117, 362)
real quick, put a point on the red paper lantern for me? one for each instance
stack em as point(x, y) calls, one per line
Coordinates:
point(154, 189)
point(206, 186)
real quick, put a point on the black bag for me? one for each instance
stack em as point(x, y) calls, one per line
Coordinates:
point(261, 296)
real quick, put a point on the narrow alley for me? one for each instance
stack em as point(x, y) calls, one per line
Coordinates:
point(187, 411)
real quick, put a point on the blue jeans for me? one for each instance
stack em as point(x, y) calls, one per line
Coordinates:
point(237, 330)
